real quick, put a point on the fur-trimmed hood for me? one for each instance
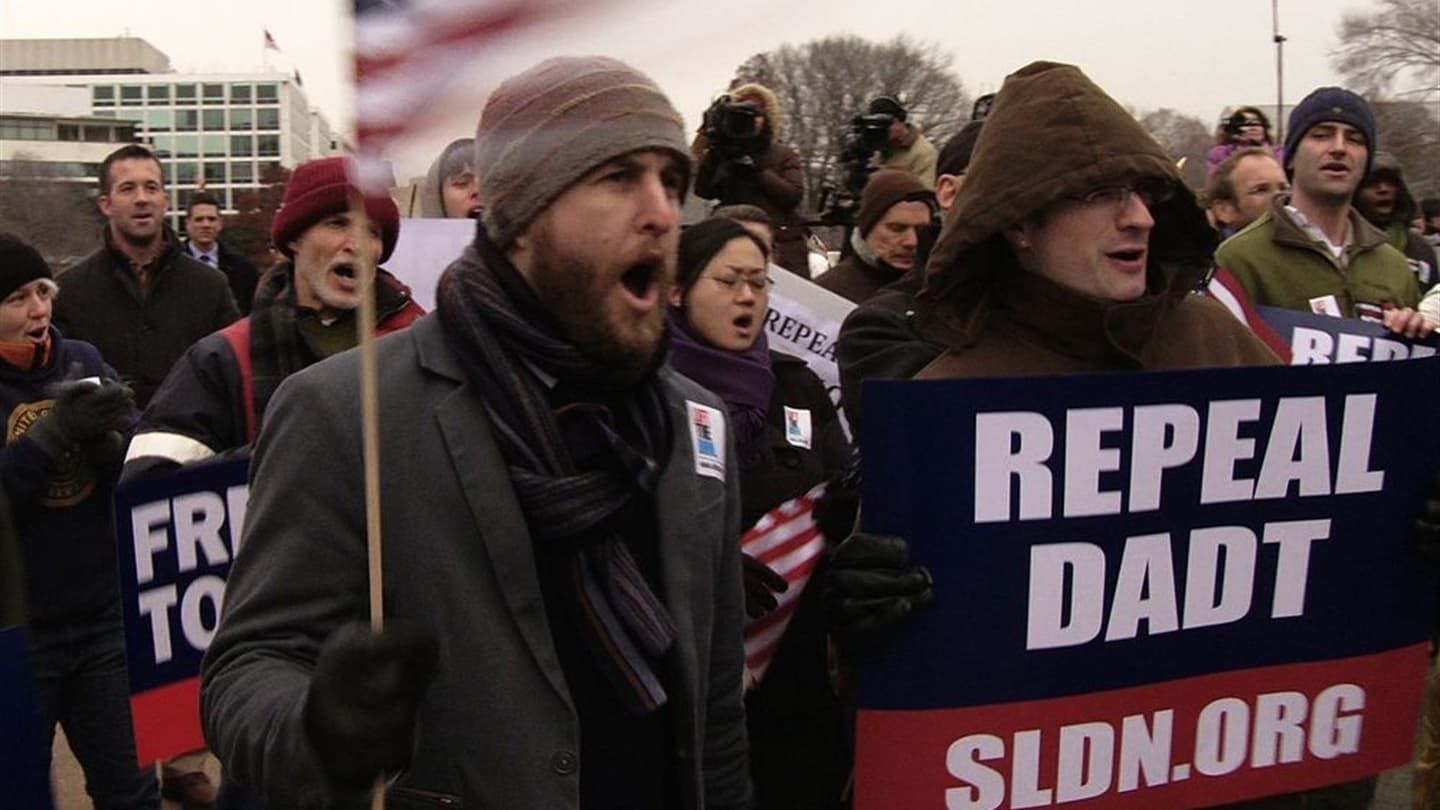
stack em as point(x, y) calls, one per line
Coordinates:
point(1053, 134)
point(774, 110)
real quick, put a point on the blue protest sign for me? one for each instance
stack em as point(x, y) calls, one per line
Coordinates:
point(1318, 339)
point(23, 757)
point(177, 535)
point(1167, 589)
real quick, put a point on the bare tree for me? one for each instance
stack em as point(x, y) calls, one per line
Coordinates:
point(247, 231)
point(825, 83)
point(52, 211)
point(1410, 130)
point(1393, 38)
point(1184, 137)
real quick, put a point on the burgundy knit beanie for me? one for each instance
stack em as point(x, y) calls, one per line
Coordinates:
point(544, 128)
point(319, 189)
point(885, 188)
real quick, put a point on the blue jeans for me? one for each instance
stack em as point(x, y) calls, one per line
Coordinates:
point(81, 683)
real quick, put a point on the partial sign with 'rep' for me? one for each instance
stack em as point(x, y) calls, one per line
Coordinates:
point(178, 534)
point(1166, 589)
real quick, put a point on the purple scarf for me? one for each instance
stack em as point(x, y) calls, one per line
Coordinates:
point(743, 379)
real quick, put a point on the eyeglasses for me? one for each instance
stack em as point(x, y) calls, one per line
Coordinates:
point(757, 284)
point(1150, 192)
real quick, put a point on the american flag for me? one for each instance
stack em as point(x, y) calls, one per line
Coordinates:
point(1225, 288)
point(788, 540)
point(417, 58)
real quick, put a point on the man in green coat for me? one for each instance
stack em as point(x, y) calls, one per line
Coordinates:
point(1312, 250)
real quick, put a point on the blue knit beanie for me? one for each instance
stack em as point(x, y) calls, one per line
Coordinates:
point(1330, 104)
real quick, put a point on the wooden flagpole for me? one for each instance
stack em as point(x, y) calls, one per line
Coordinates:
point(369, 428)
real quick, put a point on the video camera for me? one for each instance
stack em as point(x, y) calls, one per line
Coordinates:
point(866, 135)
point(729, 126)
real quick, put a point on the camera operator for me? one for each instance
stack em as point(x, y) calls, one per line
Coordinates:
point(741, 161)
point(905, 148)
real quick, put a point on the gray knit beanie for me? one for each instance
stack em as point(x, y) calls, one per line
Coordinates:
point(543, 129)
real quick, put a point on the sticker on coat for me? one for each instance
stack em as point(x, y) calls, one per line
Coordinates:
point(707, 437)
point(1326, 305)
point(797, 427)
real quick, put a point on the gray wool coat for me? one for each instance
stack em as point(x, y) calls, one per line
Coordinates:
point(497, 728)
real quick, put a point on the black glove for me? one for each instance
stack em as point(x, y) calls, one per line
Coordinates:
point(363, 700)
point(761, 585)
point(83, 412)
point(870, 590)
point(1425, 529)
point(105, 452)
point(835, 511)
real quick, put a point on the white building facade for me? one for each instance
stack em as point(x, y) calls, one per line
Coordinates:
point(221, 132)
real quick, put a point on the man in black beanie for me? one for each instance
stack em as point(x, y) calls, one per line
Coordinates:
point(563, 601)
point(1312, 251)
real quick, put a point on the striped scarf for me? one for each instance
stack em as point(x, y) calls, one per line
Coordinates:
point(487, 312)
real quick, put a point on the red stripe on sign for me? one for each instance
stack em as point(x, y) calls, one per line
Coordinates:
point(167, 720)
point(1194, 742)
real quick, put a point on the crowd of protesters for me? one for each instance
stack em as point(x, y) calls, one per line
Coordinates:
point(578, 437)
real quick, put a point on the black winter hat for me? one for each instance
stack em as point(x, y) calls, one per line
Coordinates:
point(1330, 104)
point(20, 264)
point(887, 105)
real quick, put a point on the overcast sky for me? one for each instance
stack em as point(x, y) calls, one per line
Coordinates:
point(1197, 56)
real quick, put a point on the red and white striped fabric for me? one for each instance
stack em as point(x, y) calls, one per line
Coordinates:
point(417, 58)
point(788, 540)
point(1225, 288)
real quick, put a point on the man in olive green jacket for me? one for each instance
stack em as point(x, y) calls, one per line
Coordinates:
point(1312, 251)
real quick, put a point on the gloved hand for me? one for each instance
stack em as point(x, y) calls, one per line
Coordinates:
point(761, 585)
point(1425, 529)
point(835, 511)
point(870, 590)
point(105, 452)
point(83, 411)
point(363, 699)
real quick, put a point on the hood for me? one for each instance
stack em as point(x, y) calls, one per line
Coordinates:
point(774, 111)
point(1405, 207)
point(1052, 133)
point(431, 192)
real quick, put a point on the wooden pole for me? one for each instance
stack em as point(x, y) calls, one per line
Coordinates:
point(369, 428)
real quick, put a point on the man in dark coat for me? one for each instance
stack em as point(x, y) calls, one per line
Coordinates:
point(894, 214)
point(140, 299)
point(756, 168)
point(878, 340)
point(1385, 200)
point(203, 224)
point(563, 602)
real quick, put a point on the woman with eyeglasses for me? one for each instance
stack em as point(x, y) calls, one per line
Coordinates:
point(787, 439)
point(1246, 126)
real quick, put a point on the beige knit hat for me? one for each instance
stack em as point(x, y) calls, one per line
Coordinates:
point(543, 129)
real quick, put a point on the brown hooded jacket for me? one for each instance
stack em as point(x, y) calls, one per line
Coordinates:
point(1054, 134)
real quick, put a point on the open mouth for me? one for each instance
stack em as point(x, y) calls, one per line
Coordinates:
point(1335, 167)
point(640, 279)
point(344, 270)
point(1127, 255)
point(744, 321)
point(37, 334)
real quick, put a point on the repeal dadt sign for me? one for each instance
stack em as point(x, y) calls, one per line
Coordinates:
point(1166, 589)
